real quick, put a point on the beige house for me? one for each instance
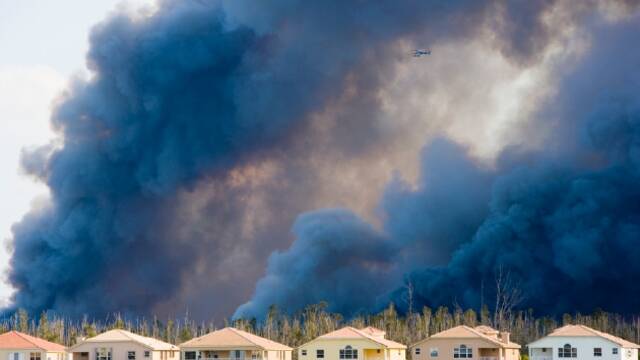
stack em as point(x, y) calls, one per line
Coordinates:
point(464, 342)
point(231, 343)
point(15, 345)
point(351, 343)
point(123, 345)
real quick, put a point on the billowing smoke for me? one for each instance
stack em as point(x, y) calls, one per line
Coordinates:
point(335, 256)
point(445, 209)
point(339, 258)
point(207, 127)
point(190, 149)
point(565, 223)
point(561, 222)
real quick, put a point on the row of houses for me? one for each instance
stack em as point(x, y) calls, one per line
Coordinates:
point(462, 342)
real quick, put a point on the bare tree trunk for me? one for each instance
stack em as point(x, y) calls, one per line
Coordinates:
point(508, 296)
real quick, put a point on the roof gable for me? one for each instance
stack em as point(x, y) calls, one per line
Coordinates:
point(585, 331)
point(369, 333)
point(18, 340)
point(119, 335)
point(465, 332)
point(458, 332)
point(230, 337)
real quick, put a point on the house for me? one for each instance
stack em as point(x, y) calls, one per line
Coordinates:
point(465, 342)
point(582, 343)
point(231, 343)
point(351, 343)
point(15, 345)
point(120, 344)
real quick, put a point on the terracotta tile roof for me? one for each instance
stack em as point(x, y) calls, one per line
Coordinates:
point(582, 330)
point(119, 335)
point(464, 332)
point(232, 337)
point(18, 340)
point(349, 332)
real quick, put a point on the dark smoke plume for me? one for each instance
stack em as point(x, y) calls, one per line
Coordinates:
point(566, 224)
point(335, 256)
point(198, 95)
point(563, 222)
point(338, 258)
point(195, 143)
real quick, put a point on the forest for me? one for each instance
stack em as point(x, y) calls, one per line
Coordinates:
point(315, 320)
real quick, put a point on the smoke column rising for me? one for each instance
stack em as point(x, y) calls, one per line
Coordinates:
point(219, 95)
point(187, 95)
point(561, 221)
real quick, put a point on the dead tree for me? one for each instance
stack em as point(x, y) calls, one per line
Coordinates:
point(508, 296)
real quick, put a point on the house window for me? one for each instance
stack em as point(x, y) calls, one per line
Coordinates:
point(567, 351)
point(614, 351)
point(433, 352)
point(462, 352)
point(131, 355)
point(304, 352)
point(320, 354)
point(417, 351)
point(597, 351)
point(103, 354)
point(34, 356)
point(348, 353)
point(147, 354)
point(190, 355)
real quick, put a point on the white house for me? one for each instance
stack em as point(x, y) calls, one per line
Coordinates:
point(582, 343)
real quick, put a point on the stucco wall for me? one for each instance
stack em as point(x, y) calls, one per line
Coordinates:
point(24, 354)
point(373, 354)
point(584, 346)
point(119, 351)
point(247, 353)
point(480, 348)
point(367, 349)
point(279, 355)
point(397, 354)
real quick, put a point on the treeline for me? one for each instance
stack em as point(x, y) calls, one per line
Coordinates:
point(315, 320)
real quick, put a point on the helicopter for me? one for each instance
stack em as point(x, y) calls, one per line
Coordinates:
point(421, 52)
